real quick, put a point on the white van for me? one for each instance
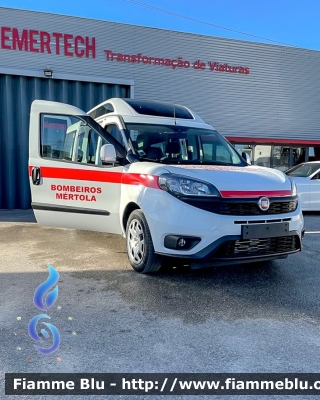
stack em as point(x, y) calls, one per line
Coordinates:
point(161, 177)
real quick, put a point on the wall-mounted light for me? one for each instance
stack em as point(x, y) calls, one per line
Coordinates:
point(48, 72)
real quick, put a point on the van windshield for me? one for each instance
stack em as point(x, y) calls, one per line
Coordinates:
point(181, 145)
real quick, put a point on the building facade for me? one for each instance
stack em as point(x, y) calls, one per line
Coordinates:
point(264, 98)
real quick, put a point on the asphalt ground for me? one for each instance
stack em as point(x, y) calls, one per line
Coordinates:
point(244, 318)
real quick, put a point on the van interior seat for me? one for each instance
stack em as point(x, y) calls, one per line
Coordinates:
point(154, 153)
point(146, 141)
point(173, 147)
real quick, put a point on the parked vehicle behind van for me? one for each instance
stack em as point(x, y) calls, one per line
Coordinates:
point(157, 174)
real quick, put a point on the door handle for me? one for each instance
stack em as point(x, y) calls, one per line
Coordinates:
point(36, 176)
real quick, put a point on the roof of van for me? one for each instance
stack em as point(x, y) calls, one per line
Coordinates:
point(150, 108)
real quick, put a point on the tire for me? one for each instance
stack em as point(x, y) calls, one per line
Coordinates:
point(140, 248)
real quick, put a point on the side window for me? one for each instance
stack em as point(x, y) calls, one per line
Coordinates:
point(57, 136)
point(114, 131)
point(207, 151)
point(213, 150)
point(222, 154)
point(68, 138)
point(100, 111)
point(192, 147)
point(87, 146)
point(105, 109)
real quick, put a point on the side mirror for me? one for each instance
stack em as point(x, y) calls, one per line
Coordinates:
point(246, 157)
point(132, 158)
point(108, 154)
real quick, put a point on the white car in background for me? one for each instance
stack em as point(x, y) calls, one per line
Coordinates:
point(307, 179)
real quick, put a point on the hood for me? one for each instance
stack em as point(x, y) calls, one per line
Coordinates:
point(231, 181)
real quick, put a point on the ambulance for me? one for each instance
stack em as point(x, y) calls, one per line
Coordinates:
point(157, 174)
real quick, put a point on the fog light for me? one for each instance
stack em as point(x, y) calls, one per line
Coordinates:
point(176, 242)
point(181, 242)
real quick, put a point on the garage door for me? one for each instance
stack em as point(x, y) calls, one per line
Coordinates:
point(17, 94)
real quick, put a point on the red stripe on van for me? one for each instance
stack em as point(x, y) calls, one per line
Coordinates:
point(138, 179)
point(247, 194)
point(99, 176)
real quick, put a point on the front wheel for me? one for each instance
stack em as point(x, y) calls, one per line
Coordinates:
point(139, 244)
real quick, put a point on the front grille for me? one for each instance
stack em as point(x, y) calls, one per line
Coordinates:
point(258, 247)
point(243, 206)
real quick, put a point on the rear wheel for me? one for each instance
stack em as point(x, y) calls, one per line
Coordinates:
point(139, 244)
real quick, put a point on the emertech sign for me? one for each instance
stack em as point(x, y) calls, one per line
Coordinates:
point(68, 45)
point(44, 42)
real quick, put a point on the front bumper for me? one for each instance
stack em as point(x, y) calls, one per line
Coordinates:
point(235, 250)
point(221, 236)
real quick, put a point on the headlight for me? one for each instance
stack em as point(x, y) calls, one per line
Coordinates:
point(179, 185)
point(294, 190)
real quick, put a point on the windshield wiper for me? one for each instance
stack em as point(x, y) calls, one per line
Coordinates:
point(206, 162)
point(169, 160)
point(157, 160)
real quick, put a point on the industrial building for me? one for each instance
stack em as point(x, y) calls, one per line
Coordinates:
point(264, 98)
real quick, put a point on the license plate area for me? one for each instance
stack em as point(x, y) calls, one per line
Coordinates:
point(257, 231)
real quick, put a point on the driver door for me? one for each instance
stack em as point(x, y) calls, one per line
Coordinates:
point(70, 187)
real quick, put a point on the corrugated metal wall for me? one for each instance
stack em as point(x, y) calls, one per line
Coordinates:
point(17, 94)
point(278, 99)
